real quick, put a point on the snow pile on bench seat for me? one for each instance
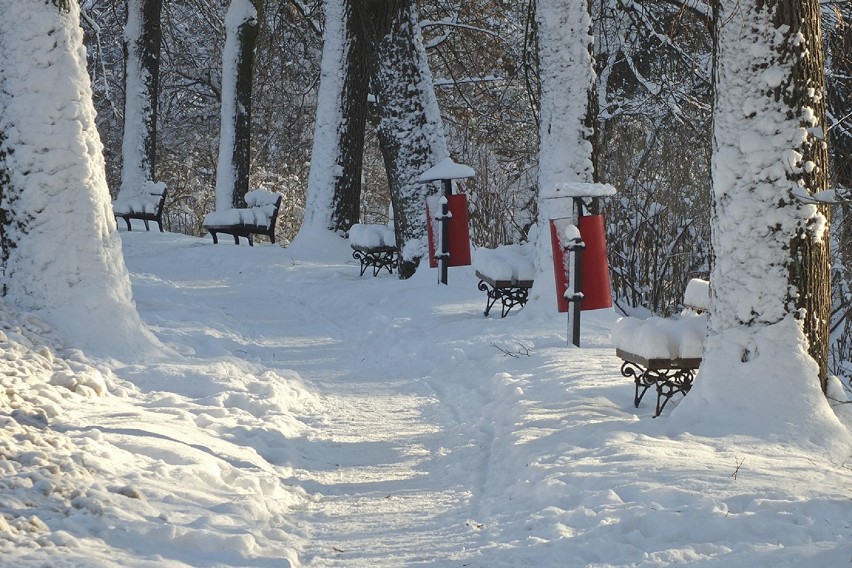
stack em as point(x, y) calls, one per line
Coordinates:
point(507, 262)
point(697, 294)
point(260, 210)
point(147, 201)
point(662, 338)
point(371, 236)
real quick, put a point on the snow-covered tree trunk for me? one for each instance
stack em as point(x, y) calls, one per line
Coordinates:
point(142, 38)
point(60, 248)
point(567, 118)
point(232, 172)
point(334, 184)
point(768, 329)
point(411, 133)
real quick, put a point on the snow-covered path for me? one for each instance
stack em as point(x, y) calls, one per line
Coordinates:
point(436, 436)
point(392, 467)
point(311, 417)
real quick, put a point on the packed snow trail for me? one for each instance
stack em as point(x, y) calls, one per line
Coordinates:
point(310, 417)
point(392, 465)
point(434, 436)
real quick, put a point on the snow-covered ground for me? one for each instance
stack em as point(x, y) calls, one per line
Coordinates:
point(303, 414)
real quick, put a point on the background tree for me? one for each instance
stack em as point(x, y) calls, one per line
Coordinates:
point(479, 52)
point(232, 173)
point(334, 186)
point(142, 39)
point(567, 117)
point(653, 61)
point(837, 24)
point(410, 131)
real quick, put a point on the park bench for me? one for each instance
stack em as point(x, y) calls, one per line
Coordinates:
point(374, 246)
point(258, 218)
point(506, 274)
point(664, 353)
point(147, 206)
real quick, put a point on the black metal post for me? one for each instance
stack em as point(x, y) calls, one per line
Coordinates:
point(577, 295)
point(445, 229)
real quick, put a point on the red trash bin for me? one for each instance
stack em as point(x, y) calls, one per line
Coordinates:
point(595, 282)
point(459, 235)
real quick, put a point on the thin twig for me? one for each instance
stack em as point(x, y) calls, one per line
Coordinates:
point(521, 351)
point(736, 471)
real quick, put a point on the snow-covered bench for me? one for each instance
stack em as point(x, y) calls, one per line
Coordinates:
point(147, 206)
point(374, 245)
point(664, 353)
point(257, 219)
point(505, 273)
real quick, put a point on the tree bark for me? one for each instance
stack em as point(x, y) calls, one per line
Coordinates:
point(346, 208)
point(142, 39)
point(334, 183)
point(411, 134)
point(770, 245)
point(232, 175)
point(810, 265)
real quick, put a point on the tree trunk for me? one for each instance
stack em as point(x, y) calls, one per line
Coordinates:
point(770, 278)
point(346, 208)
point(334, 184)
point(142, 39)
point(411, 134)
point(839, 51)
point(567, 118)
point(810, 271)
point(61, 252)
point(232, 174)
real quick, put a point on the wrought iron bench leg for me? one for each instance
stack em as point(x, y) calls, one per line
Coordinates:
point(509, 297)
point(680, 381)
point(491, 296)
point(641, 378)
point(377, 260)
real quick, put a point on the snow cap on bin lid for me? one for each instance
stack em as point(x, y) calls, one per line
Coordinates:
point(578, 189)
point(446, 169)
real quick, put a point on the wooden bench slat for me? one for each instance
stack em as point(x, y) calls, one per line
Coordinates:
point(657, 364)
point(374, 249)
point(505, 283)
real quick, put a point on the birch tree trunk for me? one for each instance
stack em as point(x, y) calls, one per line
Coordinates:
point(411, 133)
